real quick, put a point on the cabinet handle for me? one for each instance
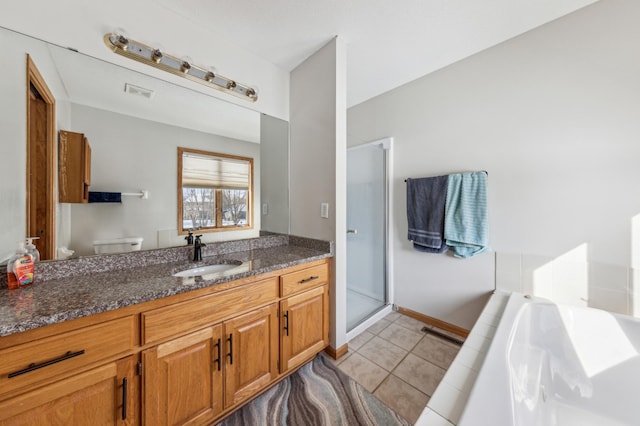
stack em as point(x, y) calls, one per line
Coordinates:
point(124, 398)
point(230, 354)
point(217, 361)
point(33, 366)
point(306, 280)
point(286, 322)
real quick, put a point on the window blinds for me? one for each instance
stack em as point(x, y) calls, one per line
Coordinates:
point(204, 171)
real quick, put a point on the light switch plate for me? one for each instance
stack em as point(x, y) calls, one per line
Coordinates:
point(265, 209)
point(324, 210)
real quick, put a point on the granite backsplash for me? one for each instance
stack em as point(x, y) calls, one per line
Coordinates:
point(51, 270)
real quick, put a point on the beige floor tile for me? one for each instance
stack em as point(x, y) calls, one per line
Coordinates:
point(402, 397)
point(436, 351)
point(392, 316)
point(344, 357)
point(411, 323)
point(419, 373)
point(401, 336)
point(378, 326)
point(359, 340)
point(382, 352)
point(363, 371)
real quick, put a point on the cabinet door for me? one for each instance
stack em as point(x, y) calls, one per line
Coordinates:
point(304, 326)
point(86, 175)
point(105, 395)
point(183, 379)
point(74, 167)
point(251, 353)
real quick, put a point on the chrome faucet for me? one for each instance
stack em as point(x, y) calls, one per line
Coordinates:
point(197, 249)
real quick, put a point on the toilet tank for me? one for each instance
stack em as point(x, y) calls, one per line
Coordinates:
point(117, 245)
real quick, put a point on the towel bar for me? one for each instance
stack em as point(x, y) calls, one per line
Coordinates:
point(142, 194)
point(487, 173)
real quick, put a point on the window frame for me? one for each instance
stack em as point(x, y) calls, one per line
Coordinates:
point(218, 194)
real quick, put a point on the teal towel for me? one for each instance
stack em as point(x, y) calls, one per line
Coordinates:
point(466, 226)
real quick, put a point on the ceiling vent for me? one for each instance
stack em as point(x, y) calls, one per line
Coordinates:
point(138, 91)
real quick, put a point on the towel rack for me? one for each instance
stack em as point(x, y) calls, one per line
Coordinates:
point(142, 194)
point(486, 172)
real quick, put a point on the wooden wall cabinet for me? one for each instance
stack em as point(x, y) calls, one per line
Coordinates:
point(74, 167)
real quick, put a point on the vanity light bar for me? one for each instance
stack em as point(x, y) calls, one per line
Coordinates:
point(148, 55)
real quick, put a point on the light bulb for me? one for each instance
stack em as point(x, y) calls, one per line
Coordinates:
point(156, 56)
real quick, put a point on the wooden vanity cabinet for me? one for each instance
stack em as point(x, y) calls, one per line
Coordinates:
point(191, 379)
point(304, 319)
point(183, 379)
point(105, 395)
point(252, 357)
point(304, 325)
point(74, 167)
point(189, 359)
point(71, 373)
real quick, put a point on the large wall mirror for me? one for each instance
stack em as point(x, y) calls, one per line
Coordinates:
point(134, 124)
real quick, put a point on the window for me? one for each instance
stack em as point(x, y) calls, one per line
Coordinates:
point(215, 191)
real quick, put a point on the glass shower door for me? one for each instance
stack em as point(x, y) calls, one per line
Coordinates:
point(366, 232)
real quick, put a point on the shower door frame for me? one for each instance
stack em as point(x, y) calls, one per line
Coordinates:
point(387, 145)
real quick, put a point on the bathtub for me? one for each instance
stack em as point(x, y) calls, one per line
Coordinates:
point(551, 364)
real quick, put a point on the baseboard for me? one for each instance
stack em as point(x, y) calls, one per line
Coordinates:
point(435, 322)
point(337, 353)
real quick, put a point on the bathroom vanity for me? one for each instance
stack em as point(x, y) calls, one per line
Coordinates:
point(141, 346)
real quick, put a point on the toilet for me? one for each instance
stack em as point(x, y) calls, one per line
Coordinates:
point(117, 245)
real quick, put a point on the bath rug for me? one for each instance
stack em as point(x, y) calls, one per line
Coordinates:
point(318, 394)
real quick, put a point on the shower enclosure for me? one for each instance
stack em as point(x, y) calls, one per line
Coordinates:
point(367, 230)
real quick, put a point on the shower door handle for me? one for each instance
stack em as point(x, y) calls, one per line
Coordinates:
point(352, 231)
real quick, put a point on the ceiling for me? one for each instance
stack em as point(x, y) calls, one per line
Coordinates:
point(389, 43)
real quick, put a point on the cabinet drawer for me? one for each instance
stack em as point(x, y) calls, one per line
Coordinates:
point(190, 315)
point(304, 279)
point(64, 353)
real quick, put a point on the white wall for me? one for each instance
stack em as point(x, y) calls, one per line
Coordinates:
point(130, 154)
point(274, 181)
point(554, 117)
point(82, 25)
point(13, 125)
point(318, 163)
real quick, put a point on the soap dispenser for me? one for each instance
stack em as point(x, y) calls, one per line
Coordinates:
point(32, 249)
point(20, 268)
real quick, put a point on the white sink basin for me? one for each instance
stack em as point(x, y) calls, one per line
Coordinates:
point(206, 270)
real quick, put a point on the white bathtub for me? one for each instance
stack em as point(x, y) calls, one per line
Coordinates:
point(561, 365)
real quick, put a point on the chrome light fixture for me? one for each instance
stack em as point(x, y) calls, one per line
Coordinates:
point(140, 52)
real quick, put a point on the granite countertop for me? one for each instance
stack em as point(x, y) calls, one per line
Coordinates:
point(56, 300)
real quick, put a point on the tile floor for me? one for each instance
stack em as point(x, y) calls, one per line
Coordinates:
point(399, 363)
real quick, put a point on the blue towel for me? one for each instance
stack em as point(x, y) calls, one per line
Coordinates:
point(466, 226)
point(105, 197)
point(425, 213)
